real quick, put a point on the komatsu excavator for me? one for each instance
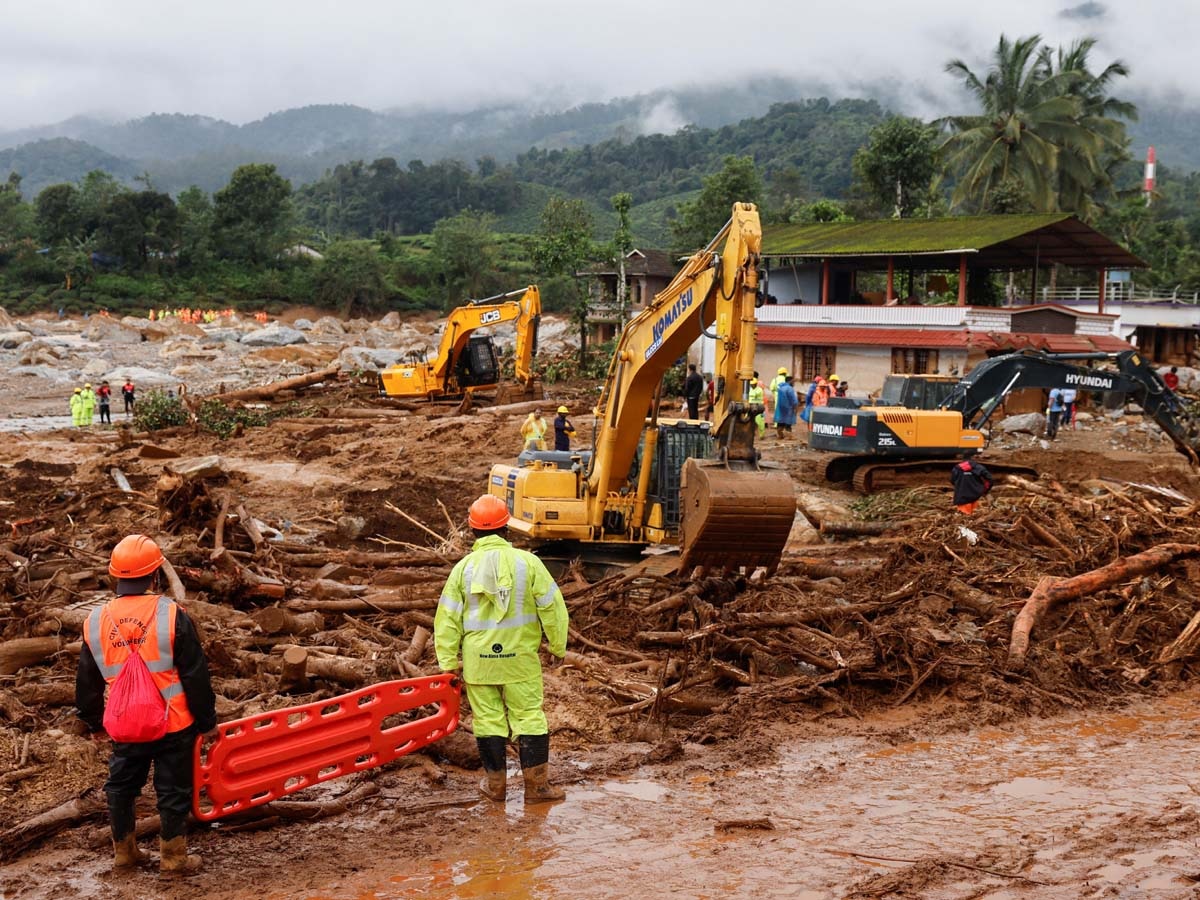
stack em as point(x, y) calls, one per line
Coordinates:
point(466, 362)
point(650, 480)
point(888, 439)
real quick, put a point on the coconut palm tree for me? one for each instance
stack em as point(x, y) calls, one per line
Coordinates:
point(1028, 126)
point(1082, 180)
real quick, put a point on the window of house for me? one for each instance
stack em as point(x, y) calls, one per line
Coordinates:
point(809, 362)
point(909, 361)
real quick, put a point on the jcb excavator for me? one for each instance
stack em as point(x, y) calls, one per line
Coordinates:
point(466, 362)
point(885, 440)
point(652, 480)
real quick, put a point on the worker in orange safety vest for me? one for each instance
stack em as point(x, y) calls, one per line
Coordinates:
point(165, 638)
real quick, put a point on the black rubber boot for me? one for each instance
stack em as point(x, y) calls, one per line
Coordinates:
point(535, 757)
point(493, 753)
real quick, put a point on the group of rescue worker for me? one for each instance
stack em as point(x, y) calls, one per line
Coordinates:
point(534, 431)
point(494, 610)
point(84, 402)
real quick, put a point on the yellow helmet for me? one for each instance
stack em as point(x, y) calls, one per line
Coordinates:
point(753, 382)
point(563, 409)
point(834, 378)
point(79, 390)
point(782, 370)
point(89, 384)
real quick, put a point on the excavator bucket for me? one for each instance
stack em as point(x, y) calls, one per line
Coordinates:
point(734, 518)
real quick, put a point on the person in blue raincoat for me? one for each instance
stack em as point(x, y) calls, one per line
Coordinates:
point(785, 410)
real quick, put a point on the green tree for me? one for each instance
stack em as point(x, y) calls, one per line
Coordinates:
point(1029, 122)
point(195, 229)
point(561, 247)
point(897, 164)
point(737, 182)
point(251, 214)
point(352, 277)
point(622, 244)
point(821, 211)
point(16, 216)
point(74, 260)
point(56, 214)
point(464, 251)
point(1084, 179)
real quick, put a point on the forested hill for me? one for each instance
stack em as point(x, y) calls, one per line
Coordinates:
point(802, 150)
point(181, 150)
point(808, 143)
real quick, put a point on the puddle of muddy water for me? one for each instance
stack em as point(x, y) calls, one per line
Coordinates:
point(1046, 800)
point(34, 423)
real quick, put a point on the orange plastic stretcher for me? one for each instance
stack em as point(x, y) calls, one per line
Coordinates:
point(261, 758)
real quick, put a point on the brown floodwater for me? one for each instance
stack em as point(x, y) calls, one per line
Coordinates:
point(1083, 805)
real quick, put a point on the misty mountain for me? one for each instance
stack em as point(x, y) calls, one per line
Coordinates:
point(54, 160)
point(179, 150)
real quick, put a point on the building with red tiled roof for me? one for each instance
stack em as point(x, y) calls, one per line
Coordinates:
point(820, 318)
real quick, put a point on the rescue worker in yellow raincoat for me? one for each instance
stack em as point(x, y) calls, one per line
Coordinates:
point(533, 431)
point(77, 407)
point(88, 412)
point(495, 606)
point(756, 396)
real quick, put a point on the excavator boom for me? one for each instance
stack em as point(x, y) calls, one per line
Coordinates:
point(466, 362)
point(654, 481)
point(882, 439)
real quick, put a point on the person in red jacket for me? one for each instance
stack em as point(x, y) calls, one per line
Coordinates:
point(1171, 379)
point(971, 482)
point(138, 617)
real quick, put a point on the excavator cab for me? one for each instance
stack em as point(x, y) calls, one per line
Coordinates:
point(915, 391)
point(478, 363)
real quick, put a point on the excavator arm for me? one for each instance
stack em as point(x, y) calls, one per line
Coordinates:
point(522, 306)
point(880, 443)
point(651, 481)
point(459, 366)
point(986, 386)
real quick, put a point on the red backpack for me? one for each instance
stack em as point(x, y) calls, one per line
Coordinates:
point(136, 712)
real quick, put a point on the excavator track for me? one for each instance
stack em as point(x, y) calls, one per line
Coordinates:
point(734, 518)
point(875, 476)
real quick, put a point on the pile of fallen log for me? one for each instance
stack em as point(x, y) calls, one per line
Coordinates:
point(1049, 597)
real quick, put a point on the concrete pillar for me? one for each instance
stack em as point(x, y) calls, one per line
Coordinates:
point(825, 282)
point(1103, 286)
point(962, 279)
point(891, 280)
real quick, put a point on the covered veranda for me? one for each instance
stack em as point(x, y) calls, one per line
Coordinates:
point(824, 263)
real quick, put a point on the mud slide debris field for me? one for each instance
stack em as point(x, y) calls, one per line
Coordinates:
point(744, 724)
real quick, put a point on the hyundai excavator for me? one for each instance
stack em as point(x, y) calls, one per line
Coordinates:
point(884, 441)
point(652, 480)
point(467, 362)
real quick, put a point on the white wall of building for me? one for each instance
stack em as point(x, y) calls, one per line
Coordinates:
point(793, 286)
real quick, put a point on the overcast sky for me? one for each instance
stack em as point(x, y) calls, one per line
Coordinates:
point(242, 60)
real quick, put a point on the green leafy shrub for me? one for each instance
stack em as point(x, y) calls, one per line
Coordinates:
point(160, 409)
point(223, 421)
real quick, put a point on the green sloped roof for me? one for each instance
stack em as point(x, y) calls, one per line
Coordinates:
point(898, 237)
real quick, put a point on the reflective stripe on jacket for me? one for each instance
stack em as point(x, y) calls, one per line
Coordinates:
point(149, 621)
point(495, 606)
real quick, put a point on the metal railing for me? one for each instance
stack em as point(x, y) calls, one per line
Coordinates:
point(1120, 292)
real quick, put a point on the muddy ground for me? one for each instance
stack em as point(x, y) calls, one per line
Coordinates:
point(852, 727)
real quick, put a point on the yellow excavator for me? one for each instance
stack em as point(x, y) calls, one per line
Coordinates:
point(467, 362)
point(652, 480)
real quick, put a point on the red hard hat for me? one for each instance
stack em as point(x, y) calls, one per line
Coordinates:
point(488, 513)
point(136, 556)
